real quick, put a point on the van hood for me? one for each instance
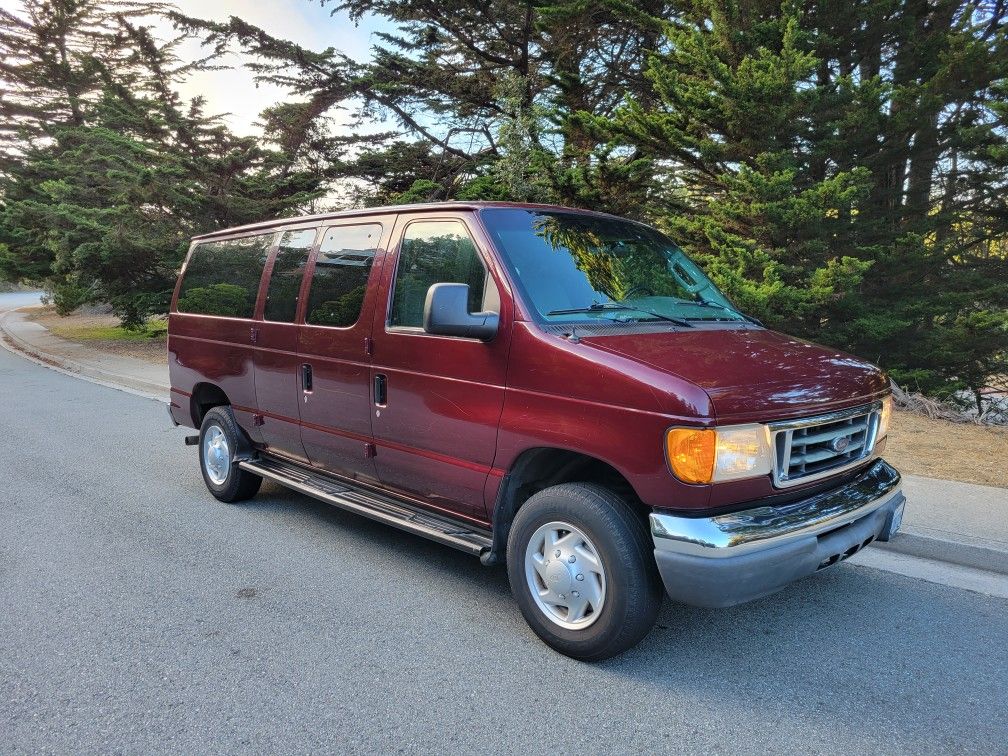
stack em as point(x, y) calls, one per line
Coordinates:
point(750, 373)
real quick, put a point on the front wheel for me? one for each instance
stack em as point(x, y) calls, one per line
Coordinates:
point(220, 439)
point(582, 570)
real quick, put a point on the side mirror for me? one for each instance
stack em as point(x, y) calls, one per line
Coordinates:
point(446, 313)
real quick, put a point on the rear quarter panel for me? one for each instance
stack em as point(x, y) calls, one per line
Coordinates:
point(215, 350)
point(211, 349)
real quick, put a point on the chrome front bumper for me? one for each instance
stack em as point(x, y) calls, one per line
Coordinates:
point(731, 558)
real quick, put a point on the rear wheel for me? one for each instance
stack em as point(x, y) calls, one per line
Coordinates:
point(220, 440)
point(582, 570)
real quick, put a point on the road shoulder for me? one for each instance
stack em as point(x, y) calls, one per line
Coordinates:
point(31, 340)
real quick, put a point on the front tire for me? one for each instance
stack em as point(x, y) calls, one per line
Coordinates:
point(219, 441)
point(582, 569)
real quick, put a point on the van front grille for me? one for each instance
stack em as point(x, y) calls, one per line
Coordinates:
point(815, 447)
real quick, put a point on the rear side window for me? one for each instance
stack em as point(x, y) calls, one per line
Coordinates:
point(434, 252)
point(285, 280)
point(341, 275)
point(222, 277)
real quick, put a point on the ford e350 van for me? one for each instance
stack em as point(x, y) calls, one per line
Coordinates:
point(561, 391)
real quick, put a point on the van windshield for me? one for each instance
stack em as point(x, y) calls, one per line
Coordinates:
point(575, 267)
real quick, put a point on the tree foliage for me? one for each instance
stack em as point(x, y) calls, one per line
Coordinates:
point(490, 96)
point(830, 165)
point(106, 172)
point(840, 169)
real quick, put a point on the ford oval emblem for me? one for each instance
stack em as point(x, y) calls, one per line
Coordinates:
point(839, 444)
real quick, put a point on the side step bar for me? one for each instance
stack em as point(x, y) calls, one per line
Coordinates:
point(369, 504)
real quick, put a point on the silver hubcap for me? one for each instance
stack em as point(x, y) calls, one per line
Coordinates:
point(565, 575)
point(216, 455)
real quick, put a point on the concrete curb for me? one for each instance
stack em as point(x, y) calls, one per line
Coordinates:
point(948, 551)
point(129, 384)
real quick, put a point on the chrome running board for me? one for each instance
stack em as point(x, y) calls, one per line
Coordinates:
point(370, 504)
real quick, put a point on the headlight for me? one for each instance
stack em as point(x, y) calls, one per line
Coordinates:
point(743, 451)
point(884, 416)
point(704, 455)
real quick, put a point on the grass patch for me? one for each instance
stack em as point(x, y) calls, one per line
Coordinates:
point(102, 332)
point(156, 329)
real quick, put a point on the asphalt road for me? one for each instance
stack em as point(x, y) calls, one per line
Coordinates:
point(138, 614)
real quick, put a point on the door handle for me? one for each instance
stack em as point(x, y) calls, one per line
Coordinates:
point(380, 390)
point(306, 378)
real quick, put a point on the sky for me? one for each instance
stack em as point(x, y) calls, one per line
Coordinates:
point(234, 92)
point(302, 21)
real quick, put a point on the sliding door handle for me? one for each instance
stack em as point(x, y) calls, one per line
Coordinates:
point(306, 378)
point(380, 390)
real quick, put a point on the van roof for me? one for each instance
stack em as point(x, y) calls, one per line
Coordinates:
point(420, 207)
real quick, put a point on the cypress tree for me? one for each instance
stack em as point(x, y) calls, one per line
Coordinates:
point(839, 168)
point(833, 167)
point(481, 99)
point(108, 172)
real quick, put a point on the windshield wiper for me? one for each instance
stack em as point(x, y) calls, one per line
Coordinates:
point(599, 307)
point(718, 305)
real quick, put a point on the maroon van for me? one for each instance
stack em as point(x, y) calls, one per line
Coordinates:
point(560, 390)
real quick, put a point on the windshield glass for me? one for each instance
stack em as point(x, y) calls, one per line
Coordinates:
point(579, 268)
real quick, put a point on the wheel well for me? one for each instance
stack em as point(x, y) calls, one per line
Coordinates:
point(205, 397)
point(536, 469)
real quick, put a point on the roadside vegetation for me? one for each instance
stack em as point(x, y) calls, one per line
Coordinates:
point(105, 333)
point(841, 170)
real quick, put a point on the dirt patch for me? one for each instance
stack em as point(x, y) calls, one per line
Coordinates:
point(954, 451)
point(103, 332)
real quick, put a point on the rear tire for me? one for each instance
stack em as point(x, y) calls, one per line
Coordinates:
point(220, 440)
point(582, 569)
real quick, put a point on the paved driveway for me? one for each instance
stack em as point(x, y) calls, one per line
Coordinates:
point(137, 614)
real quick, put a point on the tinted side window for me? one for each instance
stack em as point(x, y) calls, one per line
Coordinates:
point(341, 275)
point(434, 252)
point(222, 277)
point(285, 280)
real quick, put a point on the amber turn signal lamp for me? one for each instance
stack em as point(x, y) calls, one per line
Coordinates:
point(691, 453)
